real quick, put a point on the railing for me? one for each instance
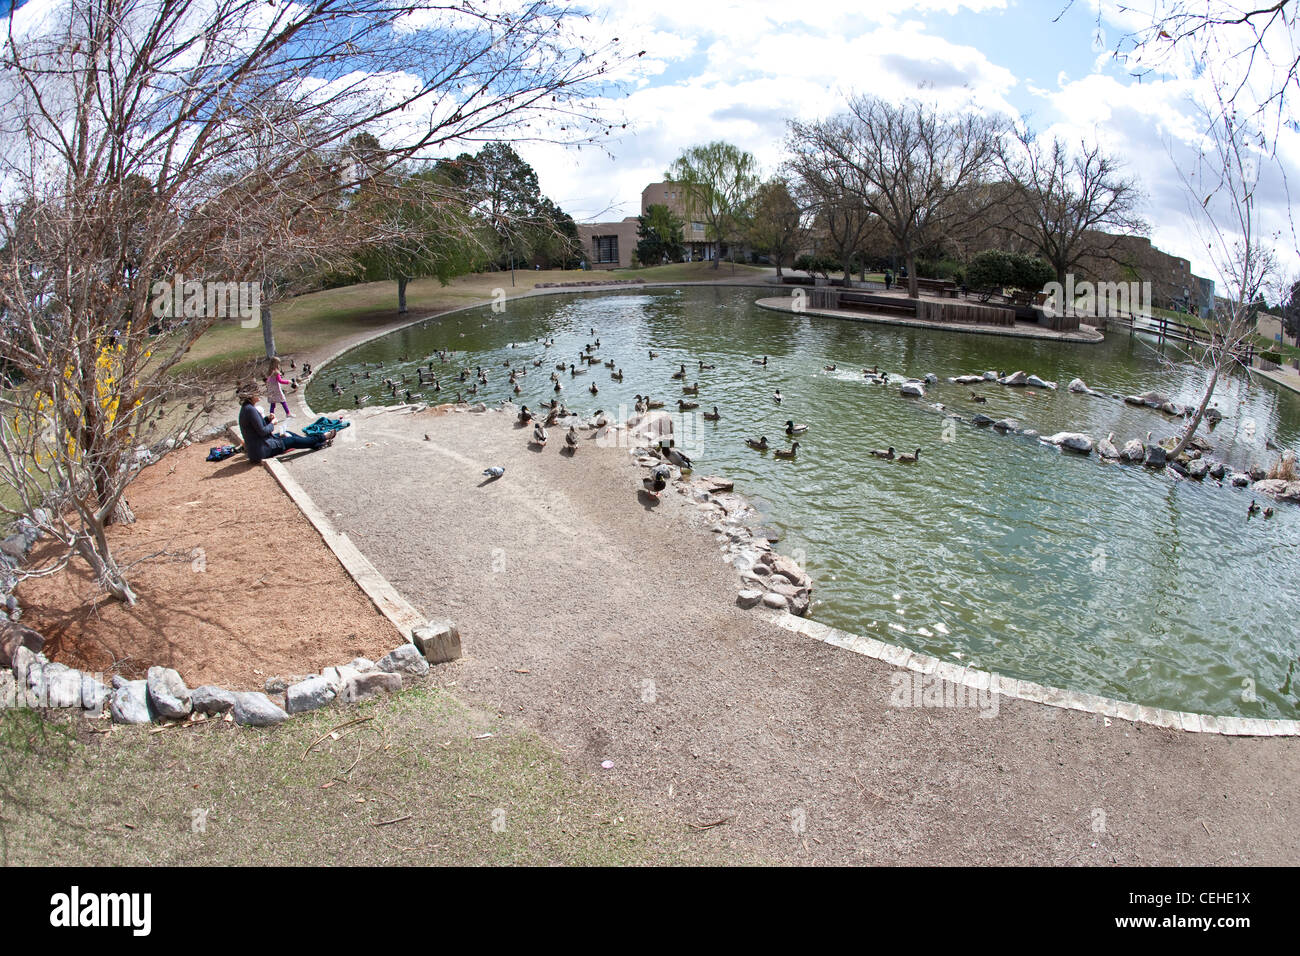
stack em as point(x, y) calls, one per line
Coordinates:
point(1171, 330)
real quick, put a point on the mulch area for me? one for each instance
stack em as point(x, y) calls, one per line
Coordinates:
point(234, 585)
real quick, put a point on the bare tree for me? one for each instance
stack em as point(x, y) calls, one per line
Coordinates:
point(907, 164)
point(719, 180)
point(142, 140)
point(1066, 205)
point(1221, 190)
point(777, 226)
point(831, 192)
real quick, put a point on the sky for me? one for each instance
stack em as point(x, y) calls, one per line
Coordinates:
point(738, 70)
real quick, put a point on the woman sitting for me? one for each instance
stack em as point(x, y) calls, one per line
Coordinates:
point(260, 440)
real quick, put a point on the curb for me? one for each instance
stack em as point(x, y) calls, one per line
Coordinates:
point(908, 659)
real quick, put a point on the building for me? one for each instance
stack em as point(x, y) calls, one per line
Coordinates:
point(610, 245)
point(1173, 284)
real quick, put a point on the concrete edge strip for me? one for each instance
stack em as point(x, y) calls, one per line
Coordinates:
point(771, 305)
point(1036, 693)
point(385, 597)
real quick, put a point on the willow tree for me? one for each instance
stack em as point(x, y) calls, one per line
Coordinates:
point(144, 140)
point(719, 181)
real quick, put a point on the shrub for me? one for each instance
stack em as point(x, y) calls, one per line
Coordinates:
point(990, 270)
point(1268, 355)
point(1284, 468)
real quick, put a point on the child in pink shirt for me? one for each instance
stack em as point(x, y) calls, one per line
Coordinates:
point(275, 390)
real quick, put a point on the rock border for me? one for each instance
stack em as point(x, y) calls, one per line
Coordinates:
point(908, 659)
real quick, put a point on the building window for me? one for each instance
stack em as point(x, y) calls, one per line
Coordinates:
point(605, 248)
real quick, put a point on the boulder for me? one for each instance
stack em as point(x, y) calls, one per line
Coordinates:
point(312, 693)
point(1279, 489)
point(799, 605)
point(168, 693)
point(912, 390)
point(368, 685)
point(1217, 470)
point(775, 601)
point(931, 378)
point(1015, 379)
point(211, 700)
point(406, 659)
point(1005, 425)
point(1134, 451)
point(786, 568)
point(59, 685)
point(1106, 449)
point(1239, 480)
point(1156, 456)
point(1036, 382)
point(15, 546)
point(129, 704)
point(438, 641)
point(93, 695)
point(1072, 441)
point(23, 660)
point(990, 376)
point(1257, 473)
point(278, 685)
point(968, 379)
point(981, 420)
point(1197, 469)
point(8, 690)
point(1171, 408)
point(1078, 385)
point(13, 635)
point(748, 597)
point(1213, 416)
point(362, 665)
point(256, 710)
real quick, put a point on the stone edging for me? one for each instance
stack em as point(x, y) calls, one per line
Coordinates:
point(1036, 693)
point(963, 328)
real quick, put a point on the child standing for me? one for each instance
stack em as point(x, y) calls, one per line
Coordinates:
point(274, 389)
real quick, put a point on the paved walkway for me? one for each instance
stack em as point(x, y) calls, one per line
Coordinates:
point(608, 624)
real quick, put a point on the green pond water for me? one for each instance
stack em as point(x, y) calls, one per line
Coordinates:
point(995, 551)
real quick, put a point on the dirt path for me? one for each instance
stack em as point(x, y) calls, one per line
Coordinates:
point(608, 626)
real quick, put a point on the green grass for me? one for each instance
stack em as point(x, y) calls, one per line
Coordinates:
point(127, 798)
point(315, 320)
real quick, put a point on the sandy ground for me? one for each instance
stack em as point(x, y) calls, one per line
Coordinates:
point(244, 588)
point(608, 624)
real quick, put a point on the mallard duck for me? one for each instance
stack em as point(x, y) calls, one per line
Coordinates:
point(910, 459)
point(712, 416)
point(675, 456)
point(617, 376)
point(1253, 509)
point(1268, 512)
point(792, 429)
point(762, 361)
point(680, 373)
point(594, 390)
point(979, 399)
point(686, 406)
point(691, 389)
point(539, 434)
point(760, 444)
point(787, 453)
point(886, 453)
point(571, 440)
point(652, 404)
point(829, 368)
point(558, 388)
point(553, 415)
point(658, 480)
point(776, 396)
point(640, 405)
point(704, 367)
point(609, 364)
point(654, 354)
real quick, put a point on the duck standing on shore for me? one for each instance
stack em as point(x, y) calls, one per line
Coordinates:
point(571, 441)
point(658, 480)
point(539, 434)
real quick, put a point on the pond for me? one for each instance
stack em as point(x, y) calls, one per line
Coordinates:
point(995, 551)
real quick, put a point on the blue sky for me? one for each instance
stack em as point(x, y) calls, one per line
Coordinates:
point(726, 69)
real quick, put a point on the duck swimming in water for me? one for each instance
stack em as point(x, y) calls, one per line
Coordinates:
point(787, 454)
point(712, 416)
point(886, 453)
point(759, 444)
point(910, 459)
point(792, 429)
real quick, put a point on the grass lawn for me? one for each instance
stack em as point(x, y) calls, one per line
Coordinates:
point(452, 785)
point(314, 320)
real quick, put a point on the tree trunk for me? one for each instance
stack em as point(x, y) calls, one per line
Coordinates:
point(401, 294)
point(107, 573)
point(268, 333)
point(913, 291)
point(1223, 356)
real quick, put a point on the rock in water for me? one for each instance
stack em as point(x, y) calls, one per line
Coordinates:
point(168, 693)
point(1134, 451)
point(1107, 450)
point(1016, 379)
point(912, 390)
point(253, 709)
point(1197, 469)
point(1073, 441)
point(1037, 382)
point(1157, 457)
point(1078, 385)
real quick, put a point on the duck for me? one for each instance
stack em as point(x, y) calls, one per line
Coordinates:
point(1253, 509)
point(886, 453)
point(658, 479)
point(829, 368)
point(609, 364)
point(652, 404)
point(594, 390)
point(539, 434)
point(762, 361)
point(712, 416)
point(792, 429)
point(760, 444)
point(704, 367)
point(691, 389)
point(787, 453)
point(910, 459)
point(675, 456)
point(558, 388)
point(571, 441)
point(654, 354)
point(617, 376)
point(980, 399)
point(680, 373)
point(552, 416)
point(640, 405)
point(686, 406)
point(776, 396)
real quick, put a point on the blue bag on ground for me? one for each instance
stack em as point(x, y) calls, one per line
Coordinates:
point(322, 425)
